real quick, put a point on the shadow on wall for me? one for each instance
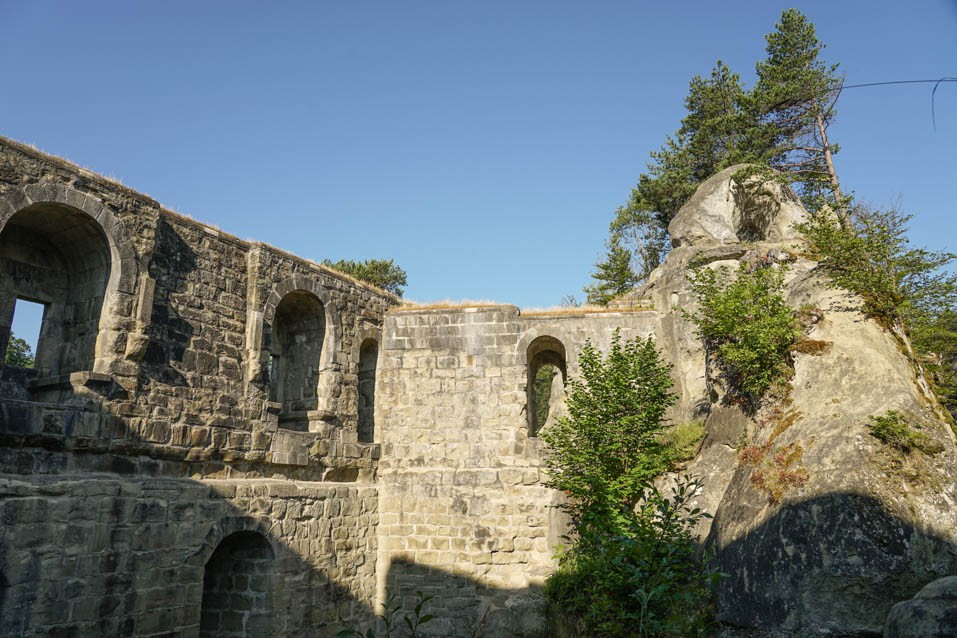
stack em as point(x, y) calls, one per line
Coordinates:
point(107, 556)
point(462, 606)
point(169, 332)
point(835, 564)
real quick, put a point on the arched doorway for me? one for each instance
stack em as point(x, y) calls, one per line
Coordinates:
point(237, 588)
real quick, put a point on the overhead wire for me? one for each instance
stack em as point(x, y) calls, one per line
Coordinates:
point(933, 94)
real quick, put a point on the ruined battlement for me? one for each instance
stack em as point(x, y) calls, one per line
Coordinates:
point(169, 347)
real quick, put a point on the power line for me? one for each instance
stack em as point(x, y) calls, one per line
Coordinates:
point(933, 94)
point(937, 81)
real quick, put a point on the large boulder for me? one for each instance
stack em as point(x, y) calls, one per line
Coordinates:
point(820, 526)
point(736, 206)
point(932, 613)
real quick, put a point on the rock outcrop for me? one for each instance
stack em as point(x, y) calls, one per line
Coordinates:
point(871, 525)
point(932, 613)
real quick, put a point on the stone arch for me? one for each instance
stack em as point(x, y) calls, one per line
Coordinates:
point(70, 252)
point(546, 364)
point(238, 582)
point(300, 310)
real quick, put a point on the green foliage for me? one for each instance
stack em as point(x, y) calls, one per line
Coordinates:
point(613, 276)
point(19, 353)
point(608, 447)
point(682, 440)
point(645, 579)
point(393, 622)
point(936, 340)
point(793, 103)
point(544, 378)
point(382, 273)
point(747, 327)
point(871, 256)
point(892, 428)
point(634, 568)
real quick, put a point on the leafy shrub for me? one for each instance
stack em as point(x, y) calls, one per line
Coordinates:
point(18, 353)
point(871, 256)
point(646, 581)
point(892, 428)
point(608, 447)
point(747, 325)
point(633, 569)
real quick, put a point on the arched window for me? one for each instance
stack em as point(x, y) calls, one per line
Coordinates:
point(546, 381)
point(368, 354)
point(237, 588)
point(295, 349)
point(59, 257)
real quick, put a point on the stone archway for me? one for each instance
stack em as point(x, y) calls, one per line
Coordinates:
point(238, 580)
point(68, 251)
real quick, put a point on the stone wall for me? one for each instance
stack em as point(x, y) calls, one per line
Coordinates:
point(180, 369)
point(98, 555)
point(218, 395)
point(149, 434)
point(463, 512)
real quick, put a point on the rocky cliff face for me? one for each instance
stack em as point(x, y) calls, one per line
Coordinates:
point(870, 525)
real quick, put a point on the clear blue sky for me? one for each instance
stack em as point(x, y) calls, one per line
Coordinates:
point(482, 145)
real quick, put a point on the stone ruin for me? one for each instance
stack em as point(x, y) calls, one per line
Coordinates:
point(222, 439)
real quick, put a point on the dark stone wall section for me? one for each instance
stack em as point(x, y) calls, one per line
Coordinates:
point(237, 588)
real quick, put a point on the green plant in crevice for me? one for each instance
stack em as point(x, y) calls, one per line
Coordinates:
point(746, 326)
point(682, 440)
point(393, 620)
point(894, 429)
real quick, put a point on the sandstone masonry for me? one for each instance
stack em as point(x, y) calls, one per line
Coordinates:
point(222, 439)
point(204, 406)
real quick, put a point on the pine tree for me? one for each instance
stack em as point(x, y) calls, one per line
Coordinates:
point(793, 100)
point(613, 276)
point(710, 138)
point(782, 123)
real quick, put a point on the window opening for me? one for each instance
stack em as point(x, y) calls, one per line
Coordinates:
point(368, 354)
point(546, 382)
point(24, 333)
point(60, 257)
